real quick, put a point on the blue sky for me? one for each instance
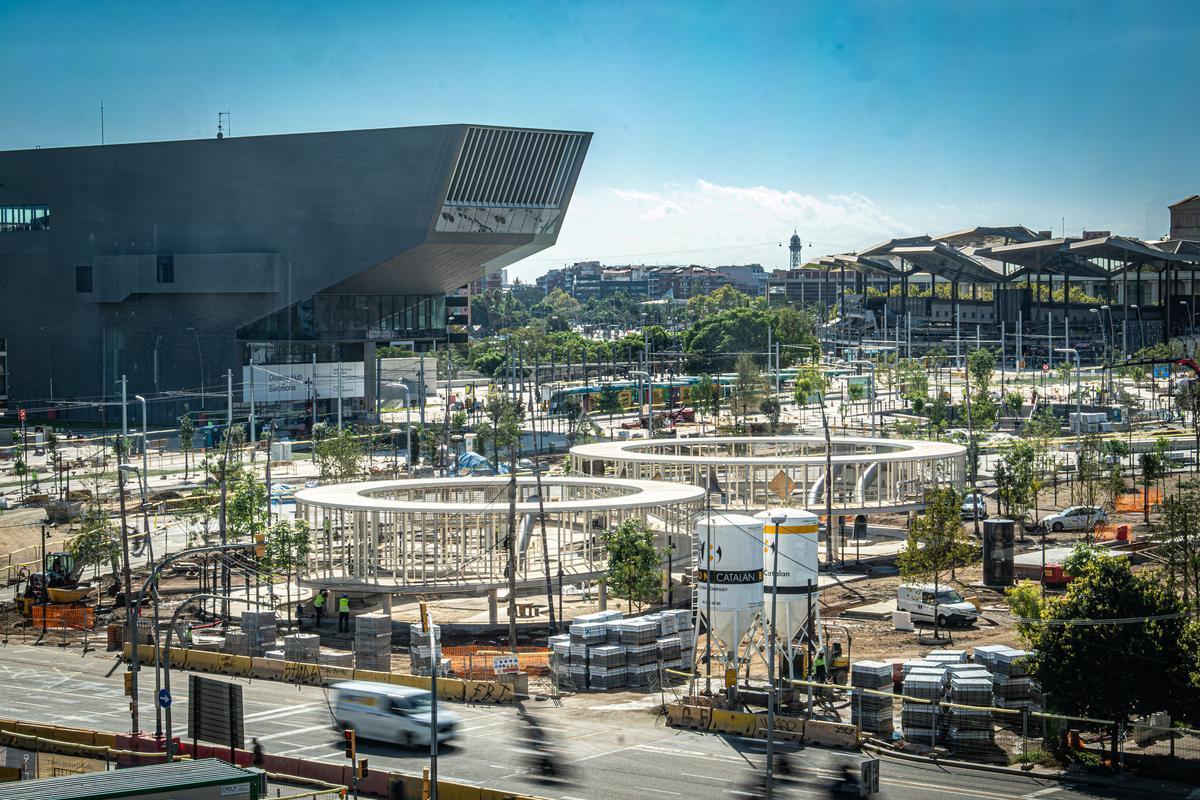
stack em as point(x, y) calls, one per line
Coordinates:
point(718, 126)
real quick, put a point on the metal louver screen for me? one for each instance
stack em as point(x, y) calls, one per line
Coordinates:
point(508, 168)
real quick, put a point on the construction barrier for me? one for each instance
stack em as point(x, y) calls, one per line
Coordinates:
point(734, 722)
point(454, 689)
point(474, 661)
point(788, 729)
point(695, 718)
point(830, 734)
point(76, 618)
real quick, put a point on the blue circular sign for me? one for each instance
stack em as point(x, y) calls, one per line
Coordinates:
point(164, 698)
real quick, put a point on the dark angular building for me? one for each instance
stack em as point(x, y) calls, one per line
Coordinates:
point(173, 262)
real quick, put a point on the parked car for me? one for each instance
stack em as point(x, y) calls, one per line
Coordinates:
point(973, 504)
point(1076, 518)
point(926, 603)
point(397, 714)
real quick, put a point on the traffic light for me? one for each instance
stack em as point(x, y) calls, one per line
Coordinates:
point(361, 772)
point(348, 734)
point(129, 684)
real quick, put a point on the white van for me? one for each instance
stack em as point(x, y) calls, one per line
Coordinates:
point(925, 603)
point(398, 714)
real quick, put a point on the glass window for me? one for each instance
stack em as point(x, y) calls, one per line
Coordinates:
point(83, 278)
point(24, 218)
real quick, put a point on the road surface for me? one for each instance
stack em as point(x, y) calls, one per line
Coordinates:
point(614, 747)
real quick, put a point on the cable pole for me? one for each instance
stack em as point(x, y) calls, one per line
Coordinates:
point(512, 548)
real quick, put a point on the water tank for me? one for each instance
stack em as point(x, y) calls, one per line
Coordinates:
point(795, 583)
point(729, 575)
point(998, 552)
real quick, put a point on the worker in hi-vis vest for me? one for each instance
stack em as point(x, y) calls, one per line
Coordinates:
point(343, 614)
point(319, 604)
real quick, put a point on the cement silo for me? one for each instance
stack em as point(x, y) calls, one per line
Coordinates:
point(795, 582)
point(729, 577)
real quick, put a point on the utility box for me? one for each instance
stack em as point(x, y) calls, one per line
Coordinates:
point(206, 779)
point(281, 451)
point(998, 537)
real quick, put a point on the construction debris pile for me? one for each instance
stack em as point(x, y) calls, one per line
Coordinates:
point(604, 651)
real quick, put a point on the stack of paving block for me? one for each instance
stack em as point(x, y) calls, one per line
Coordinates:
point(639, 631)
point(259, 627)
point(560, 656)
point(1010, 680)
point(921, 720)
point(947, 656)
point(235, 643)
point(873, 712)
point(373, 641)
point(422, 657)
point(970, 726)
point(606, 667)
point(335, 658)
point(968, 671)
point(670, 652)
point(985, 653)
point(304, 647)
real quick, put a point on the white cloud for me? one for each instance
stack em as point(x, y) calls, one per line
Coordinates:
point(709, 223)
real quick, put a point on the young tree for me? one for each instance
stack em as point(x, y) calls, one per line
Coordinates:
point(981, 364)
point(610, 403)
point(769, 407)
point(936, 544)
point(1018, 480)
point(1178, 538)
point(1085, 669)
point(1152, 470)
point(633, 563)
point(747, 387)
point(339, 454)
point(287, 545)
point(187, 432)
point(501, 425)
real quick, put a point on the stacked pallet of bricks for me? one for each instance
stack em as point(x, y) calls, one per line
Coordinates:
point(1011, 684)
point(570, 652)
point(920, 720)
point(304, 647)
point(639, 637)
point(970, 726)
point(872, 712)
point(423, 658)
point(259, 628)
point(335, 658)
point(235, 643)
point(606, 667)
point(373, 642)
point(560, 658)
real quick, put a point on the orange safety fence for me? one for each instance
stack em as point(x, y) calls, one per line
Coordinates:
point(475, 661)
point(1136, 501)
point(80, 618)
point(1111, 533)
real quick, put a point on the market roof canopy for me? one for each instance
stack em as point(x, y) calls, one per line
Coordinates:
point(947, 262)
point(1045, 256)
point(1128, 251)
point(987, 236)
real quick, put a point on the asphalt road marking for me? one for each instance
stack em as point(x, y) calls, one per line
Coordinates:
point(276, 713)
point(1044, 792)
point(297, 731)
point(938, 787)
point(658, 791)
point(484, 725)
point(706, 777)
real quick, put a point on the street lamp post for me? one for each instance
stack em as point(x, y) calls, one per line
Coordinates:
point(777, 519)
point(1191, 317)
point(1103, 338)
point(649, 399)
point(1078, 399)
point(1141, 326)
point(130, 620)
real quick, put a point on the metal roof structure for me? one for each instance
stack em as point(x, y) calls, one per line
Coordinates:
point(135, 781)
point(947, 262)
point(981, 236)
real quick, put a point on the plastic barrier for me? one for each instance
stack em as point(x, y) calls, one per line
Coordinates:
point(696, 718)
point(270, 669)
point(830, 734)
point(734, 722)
point(788, 729)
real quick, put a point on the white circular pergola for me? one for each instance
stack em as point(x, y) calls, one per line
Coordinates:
point(868, 475)
point(445, 534)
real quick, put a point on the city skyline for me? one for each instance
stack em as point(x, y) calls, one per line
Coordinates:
point(716, 132)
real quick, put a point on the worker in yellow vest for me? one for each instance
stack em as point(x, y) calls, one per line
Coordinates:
point(319, 604)
point(343, 614)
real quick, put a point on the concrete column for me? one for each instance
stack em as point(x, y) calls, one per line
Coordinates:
point(387, 603)
point(493, 608)
point(603, 596)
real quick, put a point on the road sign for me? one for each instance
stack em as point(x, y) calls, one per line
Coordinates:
point(1161, 371)
point(164, 698)
point(1045, 367)
point(505, 664)
point(215, 711)
point(21, 415)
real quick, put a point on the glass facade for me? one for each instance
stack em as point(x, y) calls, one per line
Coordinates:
point(354, 317)
point(301, 352)
point(24, 218)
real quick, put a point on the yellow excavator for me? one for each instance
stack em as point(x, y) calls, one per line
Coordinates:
point(57, 585)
